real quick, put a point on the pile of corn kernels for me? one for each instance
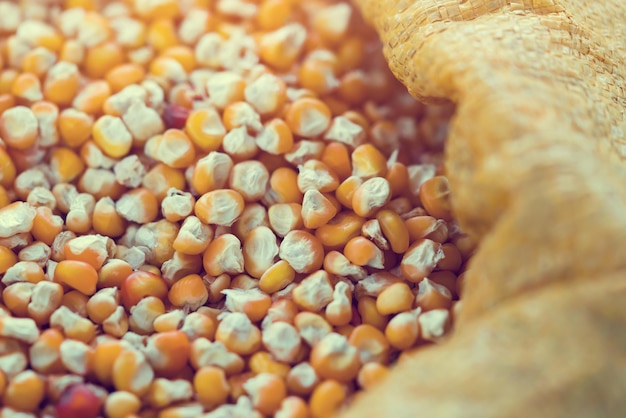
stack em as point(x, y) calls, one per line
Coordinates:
point(217, 208)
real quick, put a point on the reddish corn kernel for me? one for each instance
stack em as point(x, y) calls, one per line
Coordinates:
point(78, 401)
point(175, 116)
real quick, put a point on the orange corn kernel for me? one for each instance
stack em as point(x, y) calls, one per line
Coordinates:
point(76, 302)
point(394, 230)
point(370, 343)
point(369, 314)
point(124, 75)
point(371, 374)
point(368, 162)
point(431, 295)
point(105, 354)
point(253, 216)
point(160, 178)
point(244, 282)
point(318, 74)
point(447, 279)
point(38, 61)
point(336, 263)
point(370, 196)
point(77, 275)
point(426, 227)
point(90, 99)
point(452, 259)
point(189, 293)
point(327, 399)
point(223, 255)
point(277, 277)
point(170, 321)
point(219, 207)
point(45, 354)
point(106, 220)
point(250, 179)
point(420, 259)
point(18, 127)
point(302, 379)
point(302, 251)
point(353, 87)
point(266, 94)
point(211, 172)
point(345, 191)
point(7, 168)
point(259, 250)
point(183, 55)
point(211, 386)
point(66, 165)
point(225, 88)
point(193, 237)
point(284, 186)
point(285, 217)
point(140, 284)
point(23, 271)
point(276, 137)
point(339, 310)
point(161, 34)
point(177, 205)
point(434, 324)
point(27, 88)
point(132, 372)
point(122, 404)
point(251, 302)
point(363, 252)
point(308, 117)
point(75, 127)
point(402, 331)
point(282, 47)
point(240, 115)
point(173, 148)
point(143, 314)
point(7, 101)
point(113, 273)
point(293, 407)
point(17, 296)
point(168, 352)
point(73, 324)
point(238, 334)
point(112, 136)
point(62, 83)
point(334, 358)
point(102, 58)
point(205, 129)
point(314, 292)
point(317, 210)
point(102, 304)
point(435, 196)
point(24, 392)
point(263, 362)
point(138, 205)
point(46, 225)
point(395, 298)
point(337, 157)
point(398, 178)
point(273, 14)
point(72, 51)
point(267, 391)
point(7, 259)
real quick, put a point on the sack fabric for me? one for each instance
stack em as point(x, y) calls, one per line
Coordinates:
point(536, 158)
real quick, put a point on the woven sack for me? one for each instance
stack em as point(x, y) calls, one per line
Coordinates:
point(536, 158)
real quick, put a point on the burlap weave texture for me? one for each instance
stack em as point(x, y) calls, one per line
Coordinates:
point(536, 158)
